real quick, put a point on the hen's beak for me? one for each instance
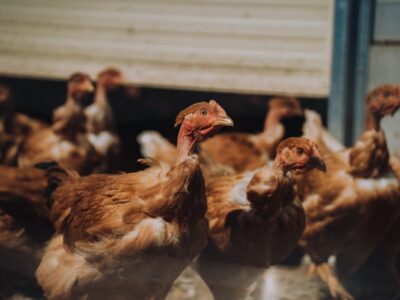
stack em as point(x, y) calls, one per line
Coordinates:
point(224, 121)
point(89, 87)
point(318, 163)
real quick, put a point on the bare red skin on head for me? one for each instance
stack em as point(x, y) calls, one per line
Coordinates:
point(198, 122)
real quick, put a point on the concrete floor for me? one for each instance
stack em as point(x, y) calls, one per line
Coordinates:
point(279, 283)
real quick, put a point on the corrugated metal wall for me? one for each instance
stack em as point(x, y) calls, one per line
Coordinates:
point(270, 46)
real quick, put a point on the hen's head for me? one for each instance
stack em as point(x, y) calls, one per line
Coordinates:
point(4, 94)
point(285, 107)
point(79, 85)
point(299, 155)
point(384, 100)
point(111, 78)
point(203, 119)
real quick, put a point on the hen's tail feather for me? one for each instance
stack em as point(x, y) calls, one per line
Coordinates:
point(56, 175)
point(154, 145)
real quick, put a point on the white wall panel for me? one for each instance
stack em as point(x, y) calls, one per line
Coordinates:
point(254, 46)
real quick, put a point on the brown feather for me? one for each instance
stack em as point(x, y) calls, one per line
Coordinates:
point(24, 218)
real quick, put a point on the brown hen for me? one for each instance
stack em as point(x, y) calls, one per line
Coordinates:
point(14, 128)
point(350, 210)
point(66, 141)
point(100, 120)
point(129, 236)
point(24, 226)
point(255, 220)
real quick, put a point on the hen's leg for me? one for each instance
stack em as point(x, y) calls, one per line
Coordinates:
point(327, 275)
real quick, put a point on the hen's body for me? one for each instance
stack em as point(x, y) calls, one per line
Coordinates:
point(24, 214)
point(46, 145)
point(22, 125)
point(125, 236)
point(347, 215)
point(24, 225)
point(129, 236)
point(255, 220)
point(244, 232)
point(243, 239)
point(14, 128)
point(354, 206)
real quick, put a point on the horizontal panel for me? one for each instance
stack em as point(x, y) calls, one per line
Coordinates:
point(301, 44)
point(161, 53)
point(295, 10)
point(177, 23)
point(387, 21)
point(253, 47)
point(185, 77)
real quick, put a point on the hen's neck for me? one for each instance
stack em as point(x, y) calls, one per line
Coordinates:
point(101, 95)
point(74, 97)
point(271, 120)
point(278, 167)
point(185, 144)
point(372, 122)
point(6, 118)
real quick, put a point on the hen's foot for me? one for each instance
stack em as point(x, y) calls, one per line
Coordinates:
point(326, 274)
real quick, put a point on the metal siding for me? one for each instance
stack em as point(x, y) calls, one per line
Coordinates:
point(365, 26)
point(338, 104)
point(387, 21)
point(223, 45)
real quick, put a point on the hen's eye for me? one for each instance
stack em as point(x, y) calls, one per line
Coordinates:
point(203, 112)
point(299, 151)
point(387, 94)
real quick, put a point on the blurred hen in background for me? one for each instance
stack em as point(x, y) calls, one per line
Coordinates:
point(352, 208)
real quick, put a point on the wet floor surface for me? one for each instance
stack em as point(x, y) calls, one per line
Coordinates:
point(278, 283)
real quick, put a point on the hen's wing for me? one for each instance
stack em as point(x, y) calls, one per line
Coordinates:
point(105, 207)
